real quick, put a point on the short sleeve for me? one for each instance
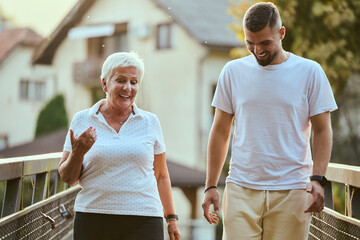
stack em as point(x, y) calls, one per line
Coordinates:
point(321, 98)
point(74, 126)
point(159, 146)
point(222, 97)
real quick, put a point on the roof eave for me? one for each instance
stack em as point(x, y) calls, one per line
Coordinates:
point(45, 52)
point(220, 47)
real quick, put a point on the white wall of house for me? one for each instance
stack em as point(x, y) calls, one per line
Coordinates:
point(212, 66)
point(19, 115)
point(77, 96)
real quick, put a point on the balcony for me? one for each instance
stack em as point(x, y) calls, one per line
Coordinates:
point(88, 72)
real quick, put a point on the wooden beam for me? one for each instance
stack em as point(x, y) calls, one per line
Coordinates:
point(190, 193)
point(345, 174)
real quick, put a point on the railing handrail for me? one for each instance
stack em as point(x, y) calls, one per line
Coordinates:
point(340, 173)
point(11, 168)
point(345, 174)
point(40, 171)
point(18, 167)
point(30, 157)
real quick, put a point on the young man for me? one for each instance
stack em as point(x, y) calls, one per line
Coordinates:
point(275, 98)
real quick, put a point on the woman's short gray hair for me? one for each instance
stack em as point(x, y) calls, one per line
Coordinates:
point(122, 59)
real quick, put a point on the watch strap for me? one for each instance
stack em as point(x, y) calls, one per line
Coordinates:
point(321, 179)
point(171, 216)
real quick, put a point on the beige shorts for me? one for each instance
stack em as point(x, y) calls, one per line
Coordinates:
point(269, 215)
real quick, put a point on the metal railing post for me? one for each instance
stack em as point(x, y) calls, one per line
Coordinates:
point(355, 201)
point(40, 188)
point(329, 202)
point(12, 200)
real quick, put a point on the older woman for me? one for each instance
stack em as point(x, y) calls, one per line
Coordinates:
point(116, 152)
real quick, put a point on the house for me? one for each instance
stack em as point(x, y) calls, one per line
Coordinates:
point(184, 44)
point(24, 88)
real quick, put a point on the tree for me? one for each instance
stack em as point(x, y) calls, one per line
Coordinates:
point(52, 117)
point(326, 31)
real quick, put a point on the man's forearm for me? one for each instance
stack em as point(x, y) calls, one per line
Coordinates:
point(322, 145)
point(217, 151)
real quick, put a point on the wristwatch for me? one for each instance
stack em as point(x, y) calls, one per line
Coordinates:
point(170, 216)
point(321, 179)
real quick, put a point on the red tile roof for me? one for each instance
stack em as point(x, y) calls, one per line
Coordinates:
point(11, 38)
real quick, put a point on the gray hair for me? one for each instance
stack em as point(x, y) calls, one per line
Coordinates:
point(122, 59)
point(259, 15)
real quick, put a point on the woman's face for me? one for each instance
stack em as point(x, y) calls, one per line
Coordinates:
point(122, 86)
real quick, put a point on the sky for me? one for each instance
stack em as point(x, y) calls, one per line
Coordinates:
point(40, 15)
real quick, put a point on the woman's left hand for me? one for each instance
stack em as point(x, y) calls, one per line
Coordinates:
point(173, 229)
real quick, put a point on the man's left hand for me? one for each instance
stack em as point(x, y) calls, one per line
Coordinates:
point(317, 192)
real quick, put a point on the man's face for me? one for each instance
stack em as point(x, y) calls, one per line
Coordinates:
point(265, 44)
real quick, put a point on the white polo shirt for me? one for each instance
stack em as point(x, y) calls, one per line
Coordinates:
point(117, 175)
point(272, 106)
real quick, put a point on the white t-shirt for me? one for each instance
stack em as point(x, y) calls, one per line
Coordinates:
point(117, 175)
point(272, 106)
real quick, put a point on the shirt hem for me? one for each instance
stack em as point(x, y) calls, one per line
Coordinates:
point(323, 110)
point(112, 212)
point(269, 187)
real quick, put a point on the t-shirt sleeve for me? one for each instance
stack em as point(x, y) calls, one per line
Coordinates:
point(159, 146)
point(321, 98)
point(222, 97)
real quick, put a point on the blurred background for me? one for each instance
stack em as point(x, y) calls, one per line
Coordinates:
point(51, 53)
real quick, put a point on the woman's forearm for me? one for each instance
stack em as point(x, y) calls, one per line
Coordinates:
point(164, 187)
point(70, 167)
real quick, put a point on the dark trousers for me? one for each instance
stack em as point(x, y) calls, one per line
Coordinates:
point(94, 226)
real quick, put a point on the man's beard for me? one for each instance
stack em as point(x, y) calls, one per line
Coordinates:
point(268, 60)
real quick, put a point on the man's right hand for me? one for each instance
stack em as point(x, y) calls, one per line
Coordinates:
point(211, 198)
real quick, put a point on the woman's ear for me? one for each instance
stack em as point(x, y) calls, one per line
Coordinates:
point(103, 84)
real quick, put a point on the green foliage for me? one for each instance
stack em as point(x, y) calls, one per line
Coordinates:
point(2, 194)
point(326, 31)
point(339, 197)
point(52, 117)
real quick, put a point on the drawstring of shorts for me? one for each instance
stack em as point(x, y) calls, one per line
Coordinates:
point(267, 200)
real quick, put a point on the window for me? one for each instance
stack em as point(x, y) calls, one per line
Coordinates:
point(106, 45)
point(32, 90)
point(164, 38)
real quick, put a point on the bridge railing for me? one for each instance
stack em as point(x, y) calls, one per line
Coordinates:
point(330, 224)
point(35, 202)
point(28, 180)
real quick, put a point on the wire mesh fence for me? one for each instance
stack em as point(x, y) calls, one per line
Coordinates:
point(53, 219)
point(50, 219)
point(325, 226)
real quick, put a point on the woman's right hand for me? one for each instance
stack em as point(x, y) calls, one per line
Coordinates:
point(83, 143)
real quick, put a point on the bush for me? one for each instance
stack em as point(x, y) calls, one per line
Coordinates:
point(52, 117)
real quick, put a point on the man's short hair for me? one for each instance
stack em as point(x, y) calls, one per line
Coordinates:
point(259, 15)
